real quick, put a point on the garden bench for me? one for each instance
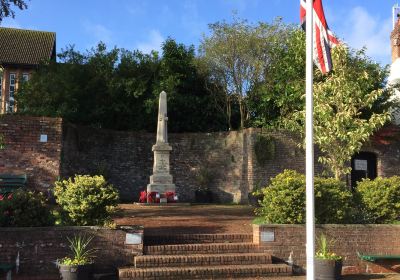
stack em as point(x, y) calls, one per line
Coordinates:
point(7, 269)
point(11, 182)
point(375, 257)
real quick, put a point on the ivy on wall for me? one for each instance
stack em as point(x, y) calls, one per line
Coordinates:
point(264, 149)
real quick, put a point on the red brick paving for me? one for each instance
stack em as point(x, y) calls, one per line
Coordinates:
point(188, 219)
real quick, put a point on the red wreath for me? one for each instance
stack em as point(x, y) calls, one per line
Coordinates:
point(170, 197)
point(152, 197)
point(143, 197)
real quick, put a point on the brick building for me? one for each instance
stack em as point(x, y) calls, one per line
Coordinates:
point(21, 51)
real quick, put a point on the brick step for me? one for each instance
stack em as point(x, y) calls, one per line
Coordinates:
point(196, 238)
point(201, 260)
point(206, 272)
point(212, 248)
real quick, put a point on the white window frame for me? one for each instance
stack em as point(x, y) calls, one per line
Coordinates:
point(25, 77)
point(11, 91)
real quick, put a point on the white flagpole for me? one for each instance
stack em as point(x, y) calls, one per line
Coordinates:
point(310, 228)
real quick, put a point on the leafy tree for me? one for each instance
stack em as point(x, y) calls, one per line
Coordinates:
point(119, 89)
point(6, 9)
point(345, 107)
point(237, 54)
point(281, 92)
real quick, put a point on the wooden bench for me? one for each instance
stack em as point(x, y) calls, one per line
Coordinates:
point(11, 182)
point(375, 257)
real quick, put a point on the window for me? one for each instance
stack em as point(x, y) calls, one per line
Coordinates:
point(11, 99)
point(25, 77)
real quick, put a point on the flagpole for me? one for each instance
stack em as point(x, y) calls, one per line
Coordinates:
point(310, 228)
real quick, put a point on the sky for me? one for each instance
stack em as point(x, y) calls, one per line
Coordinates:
point(145, 24)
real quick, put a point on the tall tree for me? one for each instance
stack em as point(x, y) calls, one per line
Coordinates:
point(6, 8)
point(237, 54)
point(345, 107)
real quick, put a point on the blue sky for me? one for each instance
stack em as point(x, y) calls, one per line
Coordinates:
point(145, 24)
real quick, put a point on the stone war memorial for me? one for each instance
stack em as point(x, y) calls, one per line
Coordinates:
point(161, 181)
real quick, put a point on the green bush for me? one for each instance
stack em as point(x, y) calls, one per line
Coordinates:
point(380, 199)
point(284, 200)
point(86, 200)
point(25, 209)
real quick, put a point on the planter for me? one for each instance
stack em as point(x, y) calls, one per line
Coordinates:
point(328, 269)
point(203, 196)
point(75, 272)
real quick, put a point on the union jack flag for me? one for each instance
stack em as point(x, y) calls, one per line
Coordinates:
point(324, 39)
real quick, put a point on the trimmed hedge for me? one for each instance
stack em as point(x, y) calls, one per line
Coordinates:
point(25, 209)
point(284, 200)
point(380, 199)
point(86, 200)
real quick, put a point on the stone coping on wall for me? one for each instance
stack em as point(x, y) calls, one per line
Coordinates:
point(281, 240)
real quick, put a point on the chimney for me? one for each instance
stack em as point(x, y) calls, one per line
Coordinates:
point(395, 35)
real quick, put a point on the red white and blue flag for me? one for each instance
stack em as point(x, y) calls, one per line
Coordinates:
point(324, 39)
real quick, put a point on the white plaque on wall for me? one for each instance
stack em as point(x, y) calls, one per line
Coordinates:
point(361, 164)
point(133, 239)
point(268, 236)
point(43, 138)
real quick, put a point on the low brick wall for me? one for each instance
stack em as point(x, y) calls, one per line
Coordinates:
point(280, 240)
point(40, 247)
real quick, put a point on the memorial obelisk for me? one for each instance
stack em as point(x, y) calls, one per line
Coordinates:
point(161, 180)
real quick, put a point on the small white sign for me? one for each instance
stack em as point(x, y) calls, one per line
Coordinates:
point(133, 239)
point(361, 164)
point(43, 138)
point(267, 236)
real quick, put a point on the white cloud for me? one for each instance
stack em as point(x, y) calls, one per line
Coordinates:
point(153, 43)
point(361, 29)
point(98, 32)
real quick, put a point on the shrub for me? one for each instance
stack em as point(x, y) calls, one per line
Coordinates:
point(380, 199)
point(86, 200)
point(25, 209)
point(284, 200)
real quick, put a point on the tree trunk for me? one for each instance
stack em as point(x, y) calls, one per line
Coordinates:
point(229, 113)
point(242, 113)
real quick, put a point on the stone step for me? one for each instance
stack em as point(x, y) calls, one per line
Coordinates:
point(202, 260)
point(196, 238)
point(212, 248)
point(206, 272)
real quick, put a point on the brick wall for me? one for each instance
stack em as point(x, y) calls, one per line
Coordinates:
point(126, 159)
point(348, 240)
point(25, 154)
point(39, 248)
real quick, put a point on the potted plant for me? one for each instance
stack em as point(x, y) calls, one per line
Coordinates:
point(79, 265)
point(328, 265)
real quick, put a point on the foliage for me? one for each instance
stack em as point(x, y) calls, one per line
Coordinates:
point(237, 56)
point(81, 253)
point(204, 178)
point(87, 200)
point(7, 11)
point(323, 251)
point(25, 209)
point(346, 113)
point(119, 89)
point(2, 142)
point(284, 200)
point(380, 198)
point(281, 92)
point(264, 149)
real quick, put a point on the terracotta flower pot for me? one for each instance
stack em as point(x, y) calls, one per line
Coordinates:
point(328, 269)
